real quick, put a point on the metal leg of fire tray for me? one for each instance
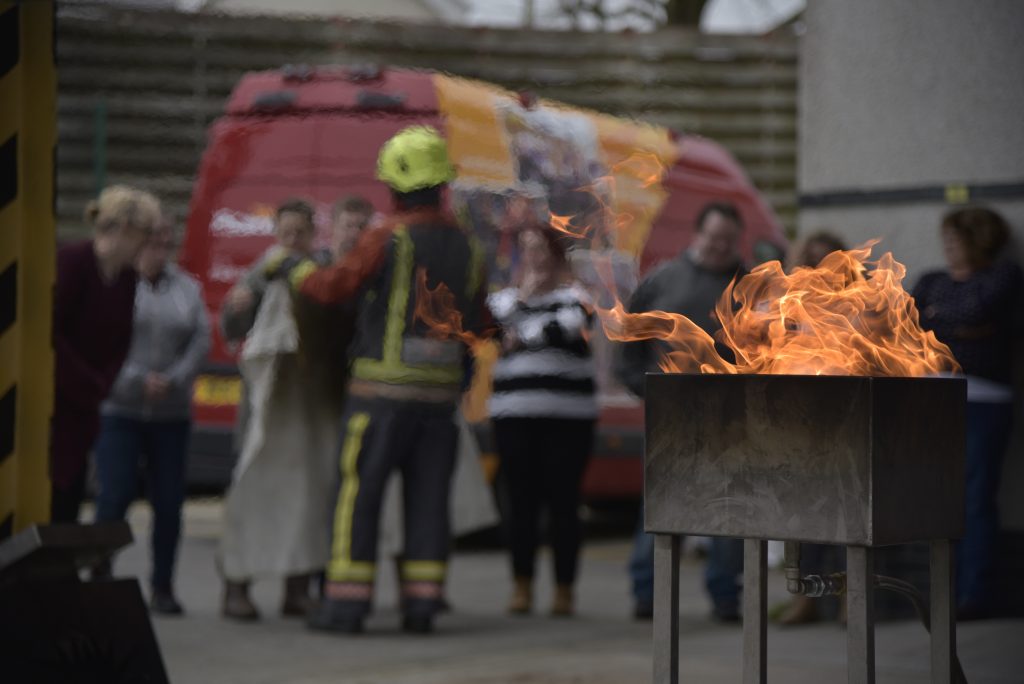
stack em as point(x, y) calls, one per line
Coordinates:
point(755, 611)
point(666, 609)
point(942, 613)
point(860, 615)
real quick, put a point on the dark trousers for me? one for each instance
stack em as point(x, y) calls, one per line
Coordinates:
point(66, 501)
point(126, 445)
point(721, 574)
point(72, 435)
point(380, 436)
point(988, 431)
point(542, 465)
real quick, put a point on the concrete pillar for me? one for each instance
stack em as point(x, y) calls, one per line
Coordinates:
point(907, 109)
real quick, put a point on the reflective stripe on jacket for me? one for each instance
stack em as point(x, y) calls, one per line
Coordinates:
point(391, 344)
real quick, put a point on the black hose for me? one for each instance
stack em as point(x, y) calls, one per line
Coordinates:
point(923, 612)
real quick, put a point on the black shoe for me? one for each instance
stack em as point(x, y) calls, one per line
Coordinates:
point(726, 613)
point(418, 624)
point(164, 603)
point(643, 611)
point(332, 616)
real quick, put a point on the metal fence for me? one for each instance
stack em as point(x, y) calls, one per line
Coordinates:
point(137, 89)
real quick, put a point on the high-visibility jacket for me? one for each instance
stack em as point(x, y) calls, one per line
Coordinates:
point(392, 345)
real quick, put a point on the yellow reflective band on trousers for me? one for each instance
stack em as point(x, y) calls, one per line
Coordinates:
point(342, 568)
point(389, 368)
point(423, 571)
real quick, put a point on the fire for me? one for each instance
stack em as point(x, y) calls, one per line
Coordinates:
point(848, 316)
point(563, 224)
point(644, 166)
point(436, 308)
point(641, 169)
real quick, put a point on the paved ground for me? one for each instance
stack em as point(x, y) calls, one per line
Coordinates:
point(478, 644)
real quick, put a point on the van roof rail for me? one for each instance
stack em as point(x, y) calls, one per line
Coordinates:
point(364, 72)
point(298, 72)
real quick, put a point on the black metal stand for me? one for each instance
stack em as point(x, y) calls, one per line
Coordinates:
point(860, 629)
point(56, 628)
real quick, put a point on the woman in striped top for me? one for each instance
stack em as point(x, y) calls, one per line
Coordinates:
point(544, 409)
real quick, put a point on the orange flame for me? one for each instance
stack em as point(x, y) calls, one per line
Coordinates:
point(563, 224)
point(640, 170)
point(436, 308)
point(644, 166)
point(848, 316)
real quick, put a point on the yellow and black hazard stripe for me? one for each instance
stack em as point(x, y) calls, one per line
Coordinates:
point(28, 87)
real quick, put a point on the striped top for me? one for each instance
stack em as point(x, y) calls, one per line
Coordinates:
point(550, 372)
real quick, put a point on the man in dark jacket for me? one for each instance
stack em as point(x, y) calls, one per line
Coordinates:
point(691, 285)
point(405, 384)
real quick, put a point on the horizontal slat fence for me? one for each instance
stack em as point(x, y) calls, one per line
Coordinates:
point(149, 83)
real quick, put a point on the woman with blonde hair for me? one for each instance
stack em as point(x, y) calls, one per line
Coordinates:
point(92, 327)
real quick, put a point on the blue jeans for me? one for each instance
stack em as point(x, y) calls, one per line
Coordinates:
point(123, 446)
point(721, 574)
point(641, 564)
point(988, 431)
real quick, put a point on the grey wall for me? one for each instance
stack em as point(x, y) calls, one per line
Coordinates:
point(907, 94)
point(900, 93)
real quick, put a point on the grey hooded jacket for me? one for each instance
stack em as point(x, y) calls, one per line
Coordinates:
point(171, 336)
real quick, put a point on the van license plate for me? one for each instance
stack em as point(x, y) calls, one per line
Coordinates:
point(214, 390)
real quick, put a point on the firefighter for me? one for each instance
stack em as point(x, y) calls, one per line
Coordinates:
point(405, 384)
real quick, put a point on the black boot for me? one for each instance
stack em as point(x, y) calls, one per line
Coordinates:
point(418, 615)
point(418, 624)
point(297, 602)
point(237, 604)
point(331, 615)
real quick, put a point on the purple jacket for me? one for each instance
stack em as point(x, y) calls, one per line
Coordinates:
point(92, 329)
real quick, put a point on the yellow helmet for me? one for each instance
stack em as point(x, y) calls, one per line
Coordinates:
point(414, 159)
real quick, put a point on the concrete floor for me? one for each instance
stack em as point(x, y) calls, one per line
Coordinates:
point(478, 644)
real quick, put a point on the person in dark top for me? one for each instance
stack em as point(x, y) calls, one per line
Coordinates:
point(92, 329)
point(690, 284)
point(973, 306)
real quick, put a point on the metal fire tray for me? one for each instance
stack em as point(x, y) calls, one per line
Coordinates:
point(843, 460)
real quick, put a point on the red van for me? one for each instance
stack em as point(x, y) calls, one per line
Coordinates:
point(315, 133)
